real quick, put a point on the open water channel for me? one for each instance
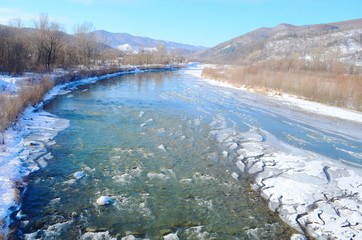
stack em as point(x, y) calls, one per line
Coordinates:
point(151, 142)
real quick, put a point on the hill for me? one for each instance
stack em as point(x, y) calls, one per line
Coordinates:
point(129, 43)
point(342, 39)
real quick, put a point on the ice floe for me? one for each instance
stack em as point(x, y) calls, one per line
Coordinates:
point(104, 200)
point(79, 175)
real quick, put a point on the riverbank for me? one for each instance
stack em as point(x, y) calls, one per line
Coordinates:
point(296, 102)
point(335, 89)
point(317, 195)
point(16, 93)
point(24, 144)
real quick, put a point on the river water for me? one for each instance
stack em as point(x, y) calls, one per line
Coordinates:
point(159, 144)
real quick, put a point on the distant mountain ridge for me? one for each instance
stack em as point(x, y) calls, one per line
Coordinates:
point(344, 38)
point(129, 43)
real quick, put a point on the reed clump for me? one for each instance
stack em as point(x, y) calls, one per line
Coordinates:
point(329, 84)
point(31, 91)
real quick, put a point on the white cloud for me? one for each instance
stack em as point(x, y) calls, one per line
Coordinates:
point(6, 14)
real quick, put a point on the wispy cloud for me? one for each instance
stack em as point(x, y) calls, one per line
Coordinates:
point(6, 14)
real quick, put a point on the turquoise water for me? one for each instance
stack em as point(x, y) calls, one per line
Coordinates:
point(147, 141)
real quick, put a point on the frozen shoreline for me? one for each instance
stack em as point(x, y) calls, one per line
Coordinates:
point(25, 148)
point(318, 196)
point(293, 101)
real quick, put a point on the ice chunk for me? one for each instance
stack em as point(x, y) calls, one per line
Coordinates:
point(162, 147)
point(104, 200)
point(240, 165)
point(79, 175)
point(97, 235)
point(235, 175)
point(171, 236)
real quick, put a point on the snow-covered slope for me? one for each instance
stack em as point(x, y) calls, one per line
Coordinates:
point(116, 40)
point(341, 38)
point(126, 48)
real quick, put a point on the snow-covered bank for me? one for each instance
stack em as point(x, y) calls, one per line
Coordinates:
point(317, 195)
point(24, 149)
point(290, 100)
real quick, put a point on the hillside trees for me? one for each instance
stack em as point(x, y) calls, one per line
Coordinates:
point(48, 41)
point(159, 55)
point(86, 44)
point(14, 50)
point(47, 46)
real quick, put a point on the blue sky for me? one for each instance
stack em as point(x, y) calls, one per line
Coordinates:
point(197, 22)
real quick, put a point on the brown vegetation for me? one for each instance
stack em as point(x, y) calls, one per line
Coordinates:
point(46, 46)
point(327, 82)
point(31, 92)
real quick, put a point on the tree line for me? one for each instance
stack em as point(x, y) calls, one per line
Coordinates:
point(47, 46)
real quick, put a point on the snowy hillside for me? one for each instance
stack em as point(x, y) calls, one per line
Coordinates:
point(125, 40)
point(341, 40)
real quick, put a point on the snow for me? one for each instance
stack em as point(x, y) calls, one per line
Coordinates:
point(104, 200)
point(9, 83)
point(23, 153)
point(321, 109)
point(126, 48)
point(99, 236)
point(171, 236)
point(312, 193)
point(150, 49)
point(304, 188)
point(289, 100)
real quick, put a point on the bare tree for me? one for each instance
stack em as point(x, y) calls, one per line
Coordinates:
point(14, 49)
point(86, 43)
point(48, 40)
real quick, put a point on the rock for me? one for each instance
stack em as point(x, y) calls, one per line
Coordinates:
point(91, 229)
point(165, 231)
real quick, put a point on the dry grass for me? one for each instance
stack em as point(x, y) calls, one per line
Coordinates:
point(330, 87)
point(31, 92)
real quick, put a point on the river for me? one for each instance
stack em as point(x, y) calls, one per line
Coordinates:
point(178, 158)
